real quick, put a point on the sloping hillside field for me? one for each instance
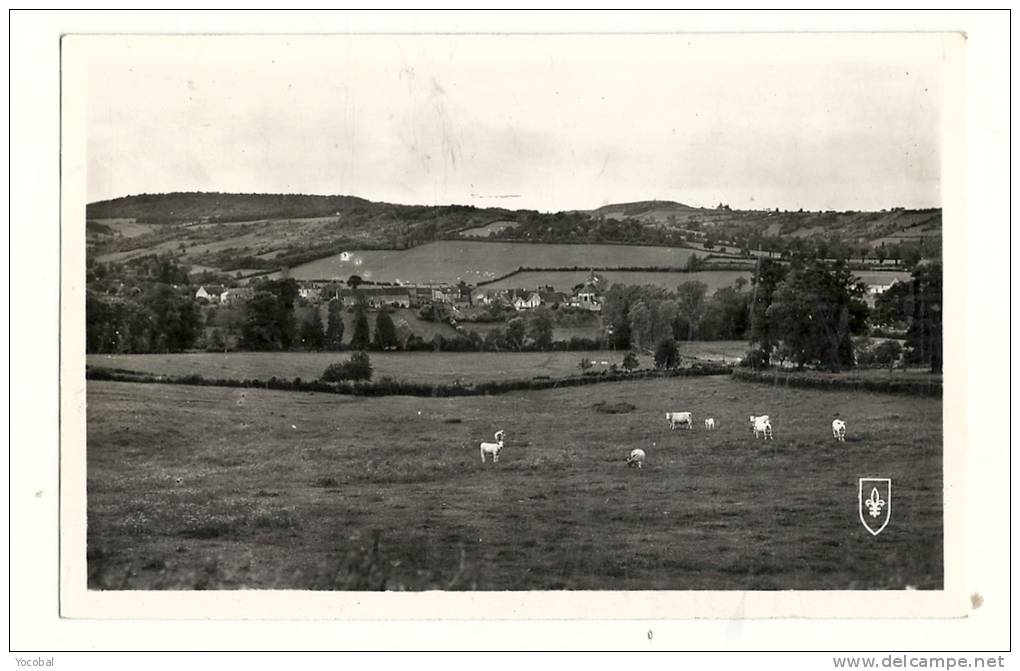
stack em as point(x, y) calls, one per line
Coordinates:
point(214, 488)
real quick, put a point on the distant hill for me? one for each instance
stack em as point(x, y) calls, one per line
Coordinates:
point(870, 228)
point(641, 208)
point(175, 207)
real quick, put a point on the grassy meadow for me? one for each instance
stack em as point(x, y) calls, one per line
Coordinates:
point(412, 366)
point(214, 488)
point(476, 261)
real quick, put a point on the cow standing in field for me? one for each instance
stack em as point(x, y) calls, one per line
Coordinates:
point(676, 419)
point(710, 423)
point(762, 426)
point(839, 430)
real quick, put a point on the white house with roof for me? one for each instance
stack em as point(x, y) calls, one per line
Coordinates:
point(587, 298)
point(526, 300)
point(210, 293)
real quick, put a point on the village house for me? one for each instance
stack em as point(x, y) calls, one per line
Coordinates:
point(375, 297)
point(525, 300)
point(586, 298)
point(312, 291)
point(236, 295)
point(210, 293)
point(550, 297)
point(490, 297)
point(445, 294)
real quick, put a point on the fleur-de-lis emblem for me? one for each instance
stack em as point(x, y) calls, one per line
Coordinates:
point(874, 509)
point(874, 503)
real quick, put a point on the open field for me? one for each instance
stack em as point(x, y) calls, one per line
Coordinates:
point(211, 488)
point(473, 261)
point(441, 367)
point(485, 231)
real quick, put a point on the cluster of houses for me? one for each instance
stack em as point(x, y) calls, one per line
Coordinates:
point(587, 297)
point(213, 293)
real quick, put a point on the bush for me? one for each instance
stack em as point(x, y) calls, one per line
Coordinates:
point(358, 367)
point(666, 354)
point(887, 353)
point(755, 358)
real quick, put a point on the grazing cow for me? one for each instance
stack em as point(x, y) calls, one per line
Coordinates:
point(636, 458)
point(492, 448)
point(839, 430)
point(676, 419)
point(762, 426)
point(710, 423)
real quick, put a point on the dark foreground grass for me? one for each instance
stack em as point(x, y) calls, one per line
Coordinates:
point(213, 488)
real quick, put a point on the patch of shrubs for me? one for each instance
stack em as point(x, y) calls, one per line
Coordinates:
point(755, 359)
point(614, 408)
point(358, 367)
point(841, 382)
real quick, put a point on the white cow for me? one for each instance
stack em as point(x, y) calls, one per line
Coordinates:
point(762, 426)
point(710, 423)
point(839, 430)
point(636, 458)
point(493, 448)
point(676, 419)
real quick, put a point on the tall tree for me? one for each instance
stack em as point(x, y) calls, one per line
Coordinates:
point(640, 324)
point(385, 331)
point(360, 339)
point(335, 326)
point(767, 276)
point(261, 330)
point(174, 318)
point(665, 315)
point(666, 354)
point(540, 327)
point(515, 332)
point(815, 310)
point(924, 336)
point(312, 335)
point(691, 303)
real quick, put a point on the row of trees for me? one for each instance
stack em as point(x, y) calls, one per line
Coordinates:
point(159, 318)
point(807, 313)
point(641, 316)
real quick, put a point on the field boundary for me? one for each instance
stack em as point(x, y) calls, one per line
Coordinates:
point(386, 386)
point(617, 269)
point(837, 382)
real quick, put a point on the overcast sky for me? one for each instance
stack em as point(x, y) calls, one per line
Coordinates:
point(542, 122)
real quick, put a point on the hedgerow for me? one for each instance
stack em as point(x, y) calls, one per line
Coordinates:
point(840, 382)
point(387, 386)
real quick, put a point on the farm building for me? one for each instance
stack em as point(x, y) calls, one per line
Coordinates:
point(550, 297)
point(525, 300)
point(491, 297)
point(312, 291)
point(210, 293)
point(236, 295)
point(587, 298)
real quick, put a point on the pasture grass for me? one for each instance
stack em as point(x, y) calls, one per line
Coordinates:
point(432, 367)
point(476, 261)
point(214, 488)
